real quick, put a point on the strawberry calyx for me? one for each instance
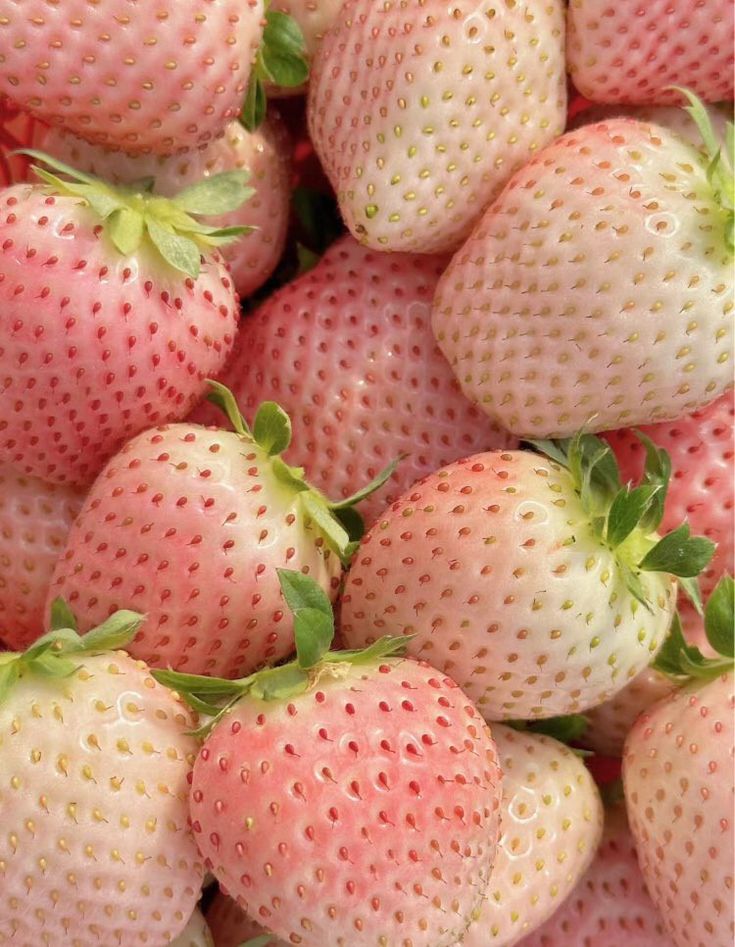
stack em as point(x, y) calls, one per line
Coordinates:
point(56, 654)
point(721, 167)
point(133, 215)
point(313, 616)
point(625, 517)
point(682, 661)
point(338, 521)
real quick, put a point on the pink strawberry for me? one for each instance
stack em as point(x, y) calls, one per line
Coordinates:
point(264, 153)
point(230, 925)
point(96, 757)
point(346, 798)
point(111, 319)
point(550, 331)
point(347, 350)
point(610, 906)
point(35, 518)
point(420, 112)
point(702, 448)
point(140, 77)
point(189, 525)
point(676, 119)
point(537, 583)
point(550, 821)
point(634, 53)
point(196, 933)
point(678, 775)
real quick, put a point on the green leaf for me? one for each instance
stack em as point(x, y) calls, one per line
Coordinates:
point(375, 484)
point(668, 660)
point(179, 252)
point(283, 51)
point(114, 633)
point(279, 683)
point(219, 194)
point(301, 591)
point(223, 398)
point(53, 665)
point(290, 476)
point(385, 647)
point(60, 639)
point(272, 428)
point(719, 617)
point(557, 450)
point(57, 165)
point(330, 527)
point(679, 554)
point(313, 633)
point(9, 675)
point(565, 729)
point(204, 688)
point(352, 522)
point(657, 471)
point(255, 104)
point(690, 588)
point(677, 659)
point(307, 259)
point(62, 616)
point(126, 229)
point(627, 510)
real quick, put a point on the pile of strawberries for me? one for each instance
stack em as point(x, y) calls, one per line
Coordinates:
point(366, 473)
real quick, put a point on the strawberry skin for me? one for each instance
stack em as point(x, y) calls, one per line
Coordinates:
point(420, 112)
point(551, 332)
point(610, 907)
point(196, 933)
point(551, 822)
point(96, 346)
point(230, 925)
point(368, 314)
point(135, 76)
point(678, 777)
point(264, 152)
point(702, 486)
point(492, 564)
point(633, 52)
point(363, 812)
point(35, 518)
point(95, 847)
point(188, 526)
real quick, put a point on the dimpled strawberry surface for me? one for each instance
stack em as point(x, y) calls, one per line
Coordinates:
point(367, 454)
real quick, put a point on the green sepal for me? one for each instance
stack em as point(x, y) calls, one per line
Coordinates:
point(207, 689)
point(61, 615)
point(352, 522)
point(280, 683)
point(386, 647)
point(336, 536)
point(179, 252)
point(565, 729)
point(272, 428)
point(627, 510)
point(223, 398)
point(719, 617)
point(255, 105)
point(281, 60)
point(689, 586)
point(592, 465)
point(375, 484)
point(678, 659)
point(219, 194)
point(113, 634)
point(679, 554)
point(313, 617)
point(656, 472)
point(9, 676)
point(126, 229)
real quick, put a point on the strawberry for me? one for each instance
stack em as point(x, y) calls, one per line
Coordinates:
point(196, 933)
point(188, 525)
point(634, 54)
point(549, 331)
point(367, 313)
point(420, 112)
point(702, 448)
point(551, 821)
point(115, 306)
point(35, 518)
point(95, 757)
point(537, 583)
point(610, 906)
point(678, 779)
point(345, 798)
point(140, 77)
point(231, 926)
point(264, 153)
point(673, 117)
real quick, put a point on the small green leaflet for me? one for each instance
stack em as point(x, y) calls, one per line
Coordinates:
point(62, 616)
point(334, 533)
point(678, 659)
point(272, 428)
point(9, 675)
point(179, 252)
point(313, 616)
point(375, 484)
point(627, 510)
point(281, 60)
point(114, 633)
point(223, 398)
point(657, 471)
point(219, 194)
point(719, 617)
point(255, 105)
point(679, 554)
point(126, 229)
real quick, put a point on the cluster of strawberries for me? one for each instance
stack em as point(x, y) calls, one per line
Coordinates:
point(343, 603)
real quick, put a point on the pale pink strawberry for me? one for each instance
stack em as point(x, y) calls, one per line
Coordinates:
point(673, 117)
point(421, 111)
point(35, 518)
point(362, 810)
point(610, 907)
point(96, 758)
point(140, 77)
point(550, 826)
point(264, 153)
point(551, 331)
point(97, 345)
point(347, 350)
point(632, 52)
point(502, 570)
point(196, 933)
point(702, 488)
point(678, 776)
point(230, 925)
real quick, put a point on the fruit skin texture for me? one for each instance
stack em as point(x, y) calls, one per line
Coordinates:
point(264, 152)
point(610, 906)
point(96, 346)
point(702, 489)
point(550, 331)
point(492, 565)
point(230, 926)
point(94, 837)
point(131, 76)
point(632, 53)
point(188, 526)
point(35, 518)
point(420, 112)
point(551, 822)
point(195, 934)
point(367, 315)
point(678, 778)
point(367, 808)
